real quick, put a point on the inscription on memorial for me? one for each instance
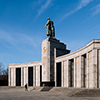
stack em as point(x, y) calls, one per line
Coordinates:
point(37, 68)
point(44, 61)
point(90, 55)
point(77, 60)
point(65, 63)
point(24, 69)
point(11, 70)
point(44, 49)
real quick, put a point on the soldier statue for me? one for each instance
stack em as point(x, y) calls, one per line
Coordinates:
point(50, 29)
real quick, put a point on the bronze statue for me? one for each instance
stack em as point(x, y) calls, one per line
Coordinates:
point(50, 29)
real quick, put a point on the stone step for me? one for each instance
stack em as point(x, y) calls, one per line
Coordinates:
point(35, 88)
point(88, 93)
point(77, 92)
point(46, 88)
point(67, 91)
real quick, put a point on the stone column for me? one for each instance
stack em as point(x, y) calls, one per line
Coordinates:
point(27, 75)
point(62, 74)
point(67, 74)
point(21, 77)
point(37, 75)
point(74, 72)
point(69, 77)
point(99, 68)
point(95, 67)
point(82, 71)
point(87, 73)
point(91, 85)
point(55, 70)
point(79, 79)
point(34, 75)
point(77, 72)
point(55, 75)
point(14, 76)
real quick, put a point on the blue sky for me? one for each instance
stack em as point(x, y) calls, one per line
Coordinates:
point(22, 29)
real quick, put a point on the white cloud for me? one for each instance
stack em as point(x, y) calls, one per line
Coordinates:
point(19, 41)
point(96, 10)
point(82, 4)
point(44, 7)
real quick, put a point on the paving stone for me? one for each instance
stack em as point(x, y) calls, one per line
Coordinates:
point(15, 94)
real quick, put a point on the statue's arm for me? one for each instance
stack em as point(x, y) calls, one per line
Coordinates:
point(47, 23)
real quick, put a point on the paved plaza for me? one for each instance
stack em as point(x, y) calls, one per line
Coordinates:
point(15, 94)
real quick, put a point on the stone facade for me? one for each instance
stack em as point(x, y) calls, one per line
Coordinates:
point(24, 73)
point(48, 46)
point(59, 67)
point(85, 67)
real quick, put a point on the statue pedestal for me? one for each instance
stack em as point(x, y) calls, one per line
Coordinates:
point(48, 46)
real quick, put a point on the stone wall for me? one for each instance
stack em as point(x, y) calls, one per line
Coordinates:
point(24, 73)
point(86, 66)
point(48, 60)
point(80, 69)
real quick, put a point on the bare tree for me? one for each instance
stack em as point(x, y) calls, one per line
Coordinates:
point(3, 75)
point(1, 68)
point(3, 71)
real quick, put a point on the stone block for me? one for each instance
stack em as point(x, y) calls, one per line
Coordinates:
point(48, 46)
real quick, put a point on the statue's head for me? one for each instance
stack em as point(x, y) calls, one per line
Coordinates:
point(48, 18)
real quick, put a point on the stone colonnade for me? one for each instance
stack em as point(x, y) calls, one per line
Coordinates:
point(80, 69)
point(20, 73)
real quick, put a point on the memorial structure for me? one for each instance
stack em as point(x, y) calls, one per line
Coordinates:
point(59, 67)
